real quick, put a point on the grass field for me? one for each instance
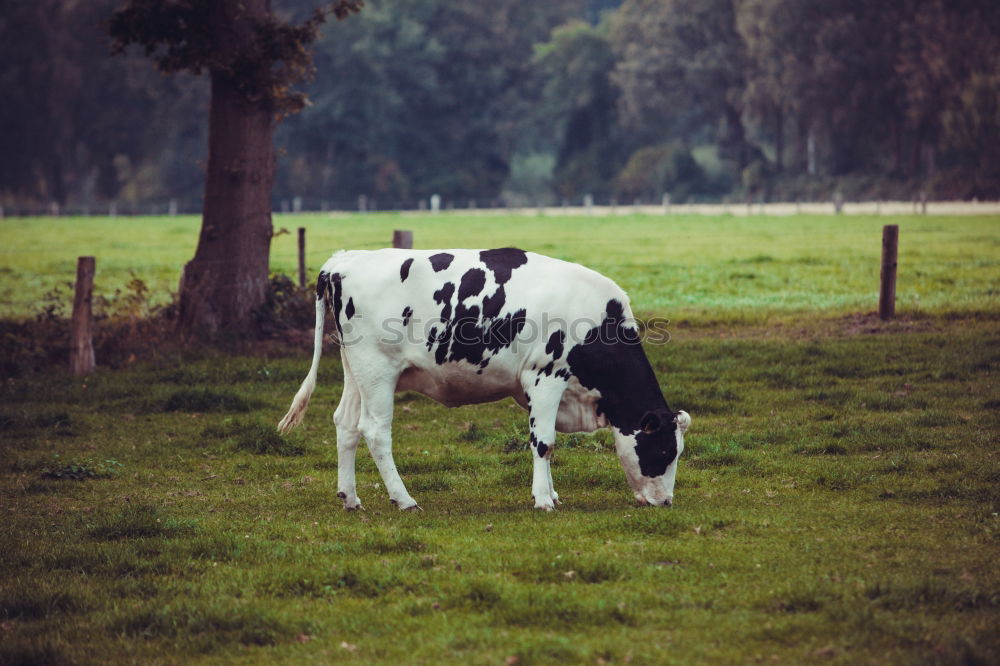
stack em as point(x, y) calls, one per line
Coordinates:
point(674, 266)
point(838, 502)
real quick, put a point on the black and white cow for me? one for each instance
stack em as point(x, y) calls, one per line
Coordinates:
point(471, 326)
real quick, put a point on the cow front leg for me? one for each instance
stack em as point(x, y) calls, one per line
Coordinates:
point(544, 406)
point(346, 418)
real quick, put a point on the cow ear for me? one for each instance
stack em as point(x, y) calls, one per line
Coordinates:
point(650, 423)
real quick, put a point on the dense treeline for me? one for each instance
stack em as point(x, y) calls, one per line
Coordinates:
point(528, 102)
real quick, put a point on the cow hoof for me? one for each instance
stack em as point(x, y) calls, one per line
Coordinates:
point(342, 495)
point(356, 507)
point(545, 507)
point(415, 507)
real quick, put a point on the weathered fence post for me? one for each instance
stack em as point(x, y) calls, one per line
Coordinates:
point(81, 345)
point(890, 252)
point(666, 203)
point(435, 203)
point(588, 203)
point(838, 202)
point(302, 256)
point(402, 238)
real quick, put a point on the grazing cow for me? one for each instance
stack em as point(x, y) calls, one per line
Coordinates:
point(471, 326)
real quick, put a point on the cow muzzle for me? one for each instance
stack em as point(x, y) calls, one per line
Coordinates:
point(669, 502)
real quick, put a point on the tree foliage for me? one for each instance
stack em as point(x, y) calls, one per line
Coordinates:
point(476, 100)
point(179, 36)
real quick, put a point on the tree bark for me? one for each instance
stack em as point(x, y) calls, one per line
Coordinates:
point(227, 278)
point(779, 139)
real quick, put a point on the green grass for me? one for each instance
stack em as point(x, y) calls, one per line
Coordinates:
point(838, 501)
point(677, 266)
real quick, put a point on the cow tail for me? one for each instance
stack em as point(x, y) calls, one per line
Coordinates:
point(301, 401)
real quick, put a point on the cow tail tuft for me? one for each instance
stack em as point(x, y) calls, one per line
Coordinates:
point(301, 401)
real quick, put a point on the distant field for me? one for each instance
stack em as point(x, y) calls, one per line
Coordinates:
point(676, 266)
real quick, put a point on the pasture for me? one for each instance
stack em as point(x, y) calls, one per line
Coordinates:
point(838, 501)
point(749, 268)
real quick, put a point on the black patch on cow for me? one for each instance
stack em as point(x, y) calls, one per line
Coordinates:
point(502, 262)
point(472, 283)
point(611, 360)
point(407, 313)
point(349, 310)
point(555, 344)
point(540, 447)
point(472, 334)
point(443, 297)
point(338, 302)
point(404, 270)
point(474, 341)
point(547, 370)
point(563, 373)
point(467, 335)
point(441, 261)
point(657, 449)
point(615, 310)
point(323, 285)
point(492, 305)
point(443, 338)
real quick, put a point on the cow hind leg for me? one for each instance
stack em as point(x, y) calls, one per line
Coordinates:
point(378, 387)
point(545, 397)
point(346, 418)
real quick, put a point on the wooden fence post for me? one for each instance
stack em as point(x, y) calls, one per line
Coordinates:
point(302, 257)
point(403, 239)
point(890, 253)
point(81, 346)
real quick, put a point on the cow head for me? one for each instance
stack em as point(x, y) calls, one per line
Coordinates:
point(649, 455)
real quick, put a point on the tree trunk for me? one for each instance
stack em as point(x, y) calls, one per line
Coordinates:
point(227, 279)
point(779, 139)
point(735, 137)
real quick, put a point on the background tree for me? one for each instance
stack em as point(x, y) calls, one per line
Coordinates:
point(574, 112)
point(523, 102)
point(253, 59)
point(419, 98)
point(681, 68)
